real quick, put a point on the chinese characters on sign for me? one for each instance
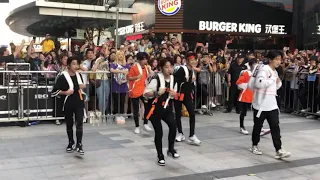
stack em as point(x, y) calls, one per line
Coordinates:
point(241, 27)
point(275, 29)
point(135, 28)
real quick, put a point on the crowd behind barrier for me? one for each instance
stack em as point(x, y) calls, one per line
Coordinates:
point(26, 96)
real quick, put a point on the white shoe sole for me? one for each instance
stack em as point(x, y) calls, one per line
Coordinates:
point(80, 153)
point(161, 164)
point(255, 153)
point(283, 157)
point(193, 143)
point(244, 133)
point(180, 140)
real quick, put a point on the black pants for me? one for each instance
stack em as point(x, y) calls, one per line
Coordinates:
point(233, 96)
point(273, 120)
point(168, 118)
point(188, 103)
point(135, 107)
point(202, 92)
point(118, 102)
point(243, 107)
point(74, 114)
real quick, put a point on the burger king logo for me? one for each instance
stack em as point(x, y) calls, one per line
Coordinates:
point(169, 7)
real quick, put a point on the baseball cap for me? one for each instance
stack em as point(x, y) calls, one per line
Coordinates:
point(241, 55)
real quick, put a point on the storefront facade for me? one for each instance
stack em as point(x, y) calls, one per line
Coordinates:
point(203, 20)
point(309, 22)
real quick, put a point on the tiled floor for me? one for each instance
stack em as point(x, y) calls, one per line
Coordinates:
point(114, 152)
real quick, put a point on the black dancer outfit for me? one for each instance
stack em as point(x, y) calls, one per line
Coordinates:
point(161, 108)
point(73, 107)
point(183, 76)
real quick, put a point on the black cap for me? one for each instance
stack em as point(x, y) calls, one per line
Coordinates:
point(314, 58)
point(241, 55)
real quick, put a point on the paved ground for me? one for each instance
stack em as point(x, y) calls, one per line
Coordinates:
point(114, 152)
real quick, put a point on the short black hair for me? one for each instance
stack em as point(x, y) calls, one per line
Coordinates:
point(163, 61)
point(142, 55)
point(70, 59)
point(88, 50)
point(273, 54)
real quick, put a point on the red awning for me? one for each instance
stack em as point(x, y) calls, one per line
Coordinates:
point(134, 37)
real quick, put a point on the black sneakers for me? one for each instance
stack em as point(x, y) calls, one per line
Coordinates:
point(71, 146)
point(80, 149)
point(173, 154)
point(161, 161)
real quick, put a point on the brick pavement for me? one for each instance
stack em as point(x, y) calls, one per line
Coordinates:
point(114, 152)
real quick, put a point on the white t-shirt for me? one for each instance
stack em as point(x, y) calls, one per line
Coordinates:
point(87, 64)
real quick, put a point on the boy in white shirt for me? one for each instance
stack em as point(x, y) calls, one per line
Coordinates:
point(265, 86)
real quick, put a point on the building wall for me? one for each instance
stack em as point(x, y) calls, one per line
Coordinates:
point(310, 19)
point(287, 4)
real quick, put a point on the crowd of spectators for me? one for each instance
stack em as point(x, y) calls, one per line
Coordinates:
point(108, 91)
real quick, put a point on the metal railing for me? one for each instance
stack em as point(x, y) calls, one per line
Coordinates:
point(26, 95)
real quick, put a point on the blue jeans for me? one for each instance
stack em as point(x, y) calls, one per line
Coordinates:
point(103, 93)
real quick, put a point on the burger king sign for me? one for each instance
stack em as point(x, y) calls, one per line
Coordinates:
point(169, 7)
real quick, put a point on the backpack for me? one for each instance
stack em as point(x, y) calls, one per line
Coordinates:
point(252, 80)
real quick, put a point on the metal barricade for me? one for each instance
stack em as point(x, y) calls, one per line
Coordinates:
point(108, 96)
point(300, 94)
point(26, 96)
point(209, 92)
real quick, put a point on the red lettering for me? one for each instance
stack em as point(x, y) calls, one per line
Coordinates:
point(163, 6)
point(176, 2)
point(170, 4)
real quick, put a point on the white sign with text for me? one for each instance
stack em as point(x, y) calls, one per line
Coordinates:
point(134, 28)
point(230, 27)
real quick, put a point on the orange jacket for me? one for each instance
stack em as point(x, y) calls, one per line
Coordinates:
point(137, 87)
point(246, 94)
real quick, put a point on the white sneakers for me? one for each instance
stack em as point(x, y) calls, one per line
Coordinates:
point(255, 150)
point(146, 127)
point(192, 140)
point(280, 154)
point(180, 137)
point(265, 132)
point(244, 131)
point(137, 130)
point(262, 133)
